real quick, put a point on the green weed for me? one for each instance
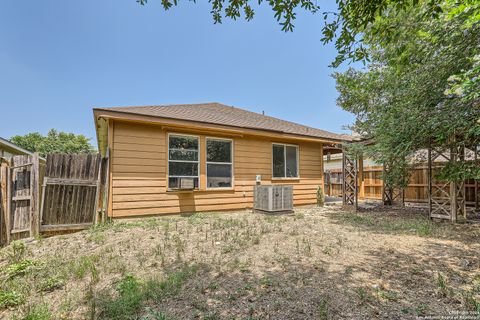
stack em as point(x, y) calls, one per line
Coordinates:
point(471, 301)
point(50, 284)
point(388, 295)
point(421, 309)
point(364, 296)
point(442, 284)
point(156, 315)
point(38, 312)
point(81, 266)
point(10, 299)
point(17, 252)
point(323, 309)
point(19, 268)
point(131, 294)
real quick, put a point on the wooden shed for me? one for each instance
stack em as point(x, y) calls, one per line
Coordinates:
point(205, 157)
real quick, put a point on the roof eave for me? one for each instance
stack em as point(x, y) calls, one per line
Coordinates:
point(12, 148)
point(131, 116)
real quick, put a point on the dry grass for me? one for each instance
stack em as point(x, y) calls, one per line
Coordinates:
point(321, 263)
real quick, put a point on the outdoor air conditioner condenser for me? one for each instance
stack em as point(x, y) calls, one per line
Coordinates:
point(273, 198)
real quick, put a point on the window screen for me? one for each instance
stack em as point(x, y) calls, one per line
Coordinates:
point(183, 160)
point(285, 161)
point(219, 163)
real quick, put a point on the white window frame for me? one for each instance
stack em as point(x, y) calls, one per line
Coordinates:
point(285, 159)
point(209, 162)
point(190, 161)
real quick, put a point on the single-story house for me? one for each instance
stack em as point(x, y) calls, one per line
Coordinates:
point(9, 149)
point(205, 157)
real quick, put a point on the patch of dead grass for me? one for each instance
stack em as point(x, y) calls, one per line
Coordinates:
point(318, 263)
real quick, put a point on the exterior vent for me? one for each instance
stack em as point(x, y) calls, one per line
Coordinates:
point(273, 198)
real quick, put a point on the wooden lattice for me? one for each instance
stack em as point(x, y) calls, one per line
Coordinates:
point(446, 199)
point(474, 213)
point(349, 168)
point(477, 182)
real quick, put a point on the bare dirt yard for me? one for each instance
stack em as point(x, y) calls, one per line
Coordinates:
point(319, 263)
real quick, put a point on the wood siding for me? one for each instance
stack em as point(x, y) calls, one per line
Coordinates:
point(139, 172)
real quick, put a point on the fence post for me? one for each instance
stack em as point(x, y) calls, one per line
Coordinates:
point(3, 203)
point(34, 193)
point(97, 190)
point(106, 187)
point(8, 213)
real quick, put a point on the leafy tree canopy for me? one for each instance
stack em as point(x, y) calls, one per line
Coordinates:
point(54, 142)
point(345, 27)
point(421, 87)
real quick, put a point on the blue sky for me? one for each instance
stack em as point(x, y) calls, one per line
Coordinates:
point(59, 59)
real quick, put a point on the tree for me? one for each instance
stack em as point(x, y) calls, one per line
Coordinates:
point(345, 26)
point(421, 87)
point(54, 142)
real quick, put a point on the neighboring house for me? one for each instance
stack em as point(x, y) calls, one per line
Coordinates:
point(334, 162)
point(8, 149)
point(205, 157)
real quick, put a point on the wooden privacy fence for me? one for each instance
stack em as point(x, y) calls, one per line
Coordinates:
point(333, 183)
point(372, 184)
point(67, 193)
point(71, 188)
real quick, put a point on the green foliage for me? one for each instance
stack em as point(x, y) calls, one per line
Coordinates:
point(442, 285)
point(81, 266)
point(38, 312)
point(323, 309)
point(50, 284)
point(17, 251)
point(54, 142)
point(19, 268)
point(132, 295)
point(10, 298)
point(320, 197)
point(129, 299)
point(421, 87)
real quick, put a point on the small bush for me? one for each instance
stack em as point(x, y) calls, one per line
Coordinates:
point(320, 197)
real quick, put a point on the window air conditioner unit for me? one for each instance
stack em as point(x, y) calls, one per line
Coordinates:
point(273, 198)
point(187, 184)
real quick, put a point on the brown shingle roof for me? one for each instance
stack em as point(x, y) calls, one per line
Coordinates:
point(216, 113)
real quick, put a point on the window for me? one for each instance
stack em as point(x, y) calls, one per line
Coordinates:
point(285, 161)
point(219, 163)
point(183, 161)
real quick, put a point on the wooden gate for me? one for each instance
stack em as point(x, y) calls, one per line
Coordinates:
point(70, 192)
point(23, 180)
